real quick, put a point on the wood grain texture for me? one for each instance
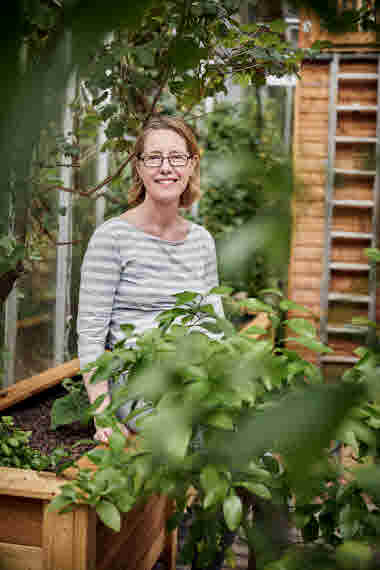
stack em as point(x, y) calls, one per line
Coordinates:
point(68, 539)
point(27, 483)
point(20, 521)
point(36, 384)
point(19, 557)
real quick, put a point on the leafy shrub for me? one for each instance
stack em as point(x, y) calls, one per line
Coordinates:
point(246, 176)
point(15, 450)
point(236, 415)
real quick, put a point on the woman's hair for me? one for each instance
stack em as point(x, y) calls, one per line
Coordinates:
point(136, 193)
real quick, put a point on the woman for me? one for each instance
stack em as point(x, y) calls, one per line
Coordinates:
point(136, 262)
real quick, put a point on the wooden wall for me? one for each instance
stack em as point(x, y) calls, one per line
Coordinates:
point(310, 156)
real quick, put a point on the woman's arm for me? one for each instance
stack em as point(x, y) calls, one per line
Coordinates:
point(99, 280)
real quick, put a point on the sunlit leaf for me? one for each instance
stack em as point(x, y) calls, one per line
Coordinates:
point(302, 327)
point(311, 343)
point(232, 510)
point(109, 514)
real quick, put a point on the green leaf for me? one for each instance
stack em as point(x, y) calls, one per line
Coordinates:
point(117, 442)
point(214, 485)
point(302, 327)
point(209, 478)
point(220, 420)
point(185, 297)
point(232, 510)
point(278, 26)
point(255, 306)
point(209, 309)
point(288, 305)
point(271, 291)
point(221, 290)
point(373, 254)
point(256, 488)
point(254, 330)
point(211, 327)
point(127, 329)
point(185, 53)
point(59, 502)
point(322, 44)
point(312, 344)
point(68, 409)
point(363, 321)
point(109, 514)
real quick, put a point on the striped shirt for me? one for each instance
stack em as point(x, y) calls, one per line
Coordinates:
point(129, 276)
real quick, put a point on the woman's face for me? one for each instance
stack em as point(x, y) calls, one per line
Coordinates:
point(165, 182)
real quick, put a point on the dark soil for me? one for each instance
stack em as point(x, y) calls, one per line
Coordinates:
point(33, 414)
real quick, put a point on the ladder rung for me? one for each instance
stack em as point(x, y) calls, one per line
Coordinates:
point(349, 297)
point(339, 359)
point(365, 76)
point(350, 235)
point(341, 139)
point(347, 329)
point(356, 107)
point(342, 266)
point(357, 56)
point(354, 172)
point(353, 203)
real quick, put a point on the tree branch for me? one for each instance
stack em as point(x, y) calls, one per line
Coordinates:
point(88, 193)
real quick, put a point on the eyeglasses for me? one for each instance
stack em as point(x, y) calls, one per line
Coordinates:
point(156, 160)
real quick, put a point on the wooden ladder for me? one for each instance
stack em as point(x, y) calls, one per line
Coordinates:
point(348, 239)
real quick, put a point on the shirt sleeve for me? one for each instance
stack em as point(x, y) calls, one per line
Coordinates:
point(100, 276)
point(211, 274)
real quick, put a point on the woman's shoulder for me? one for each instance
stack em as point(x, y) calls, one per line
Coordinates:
point(201, 233)
point(113, 227)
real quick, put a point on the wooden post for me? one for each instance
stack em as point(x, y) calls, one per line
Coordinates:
point(69, 539)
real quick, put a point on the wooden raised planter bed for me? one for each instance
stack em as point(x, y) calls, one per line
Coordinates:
point(31, 538)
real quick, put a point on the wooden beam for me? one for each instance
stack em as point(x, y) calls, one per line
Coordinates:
point(28, 483)
point(35, 384)
point(20, 557)
point(69, 539)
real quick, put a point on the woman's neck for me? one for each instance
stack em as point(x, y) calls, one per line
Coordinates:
point(162, 216)
point(162, 220)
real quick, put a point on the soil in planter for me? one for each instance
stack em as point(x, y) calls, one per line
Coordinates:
point(33, 414)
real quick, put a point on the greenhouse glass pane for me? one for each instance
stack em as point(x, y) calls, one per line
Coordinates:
point(36, 310)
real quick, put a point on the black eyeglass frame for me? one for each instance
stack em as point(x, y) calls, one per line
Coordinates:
point(169, 157)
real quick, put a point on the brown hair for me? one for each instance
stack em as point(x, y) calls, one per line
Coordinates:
point(136, 193)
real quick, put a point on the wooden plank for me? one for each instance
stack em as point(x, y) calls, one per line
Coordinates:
point(141, 542)
point(133, 540)
point(57, 540)
point(170, 548)
point(84, 544)
point(154, 553)
point(68, 539)
point(31, 386)
point(28, 483)
point(20, 521)
point(19, 557)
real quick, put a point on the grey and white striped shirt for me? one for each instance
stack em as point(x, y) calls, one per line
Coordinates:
point(129, 276)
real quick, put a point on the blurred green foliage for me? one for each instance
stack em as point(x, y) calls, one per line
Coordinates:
point(246, 176)
point(247, 419)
